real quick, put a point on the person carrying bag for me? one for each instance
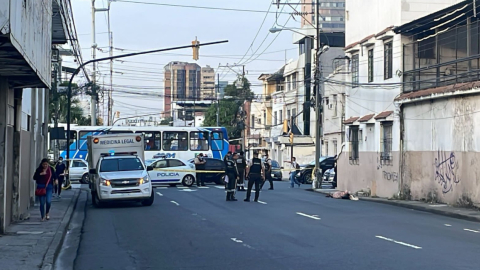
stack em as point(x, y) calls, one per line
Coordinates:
point(44, 176)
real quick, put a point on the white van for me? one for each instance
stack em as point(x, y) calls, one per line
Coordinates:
point(116, 169)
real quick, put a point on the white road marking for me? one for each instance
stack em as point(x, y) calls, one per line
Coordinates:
point(309, 216)
point(438, 205)
point(220, 187)
point(182, 187)
point(174, 202)
point(468, 230)
point(398, 242)
point(187, 190)
point(202, 187)
point(448, 225)
point(162, 187)
point(159, 194)
point(236, 240)
point(262, 202)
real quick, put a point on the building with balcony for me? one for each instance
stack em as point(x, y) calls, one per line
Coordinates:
point(207, 83)
point(439, 104)
point(182, 83)
point(372, 157)
point(332, 14)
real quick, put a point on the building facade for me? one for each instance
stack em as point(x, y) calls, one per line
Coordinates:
point(182, 83)
point(332, 14)
point(207, 91)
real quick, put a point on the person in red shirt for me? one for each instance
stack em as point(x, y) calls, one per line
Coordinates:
point(45, 176)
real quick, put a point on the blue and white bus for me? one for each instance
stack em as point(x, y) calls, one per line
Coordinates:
point(171, 142)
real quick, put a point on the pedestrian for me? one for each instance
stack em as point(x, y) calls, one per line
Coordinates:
point(294, 170)
point(228, 156)
point(231, 177)
point(256, 173)
point(60, 171)
point(44, 176)
point(268, 172)
point(199, 167)
point(334, 184)
point(241, 165)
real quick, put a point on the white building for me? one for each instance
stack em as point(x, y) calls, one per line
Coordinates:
point(372, 158)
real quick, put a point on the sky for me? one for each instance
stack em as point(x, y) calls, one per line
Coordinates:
point(139, 26)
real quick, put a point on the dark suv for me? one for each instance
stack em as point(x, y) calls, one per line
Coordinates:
point(305, 174)
point(213, 164)
point(276, 171)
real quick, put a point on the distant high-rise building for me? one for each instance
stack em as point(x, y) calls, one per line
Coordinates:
point(207, 91)
point(332, 14)
point(182, 83)
point(221, 89)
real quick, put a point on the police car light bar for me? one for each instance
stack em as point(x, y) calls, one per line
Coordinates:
point(118, 154)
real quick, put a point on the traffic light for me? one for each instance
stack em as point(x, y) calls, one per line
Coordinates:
point(195, 48)
point(285, 126)
point(291, 137)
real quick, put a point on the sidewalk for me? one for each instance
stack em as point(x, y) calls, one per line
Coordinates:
point(32, 244)
point(440, 209)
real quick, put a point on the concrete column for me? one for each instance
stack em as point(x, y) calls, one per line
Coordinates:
point(46, 120)
point(17, 127)
point(33, 149)
point(3, 124)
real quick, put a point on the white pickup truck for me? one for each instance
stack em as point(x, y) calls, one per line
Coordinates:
point(116, 169)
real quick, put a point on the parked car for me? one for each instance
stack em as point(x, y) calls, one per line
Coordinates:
point(328, 175)
point(213, 164)
point(305, 174)
point(276, 170)
point(78, 170)
point(182, 173)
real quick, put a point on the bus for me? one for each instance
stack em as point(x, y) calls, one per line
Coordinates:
point(160, 141)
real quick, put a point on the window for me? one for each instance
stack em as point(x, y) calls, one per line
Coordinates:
point(294, 114)
point(121, 164)
point(388, 58)
point(370, 65)
point(175, 163)
point(355, 70)
point(252, 123)
point(386, 141)
point(175, 141)
point(78, 164)
point(294, 81)
point(289, 117)
point(152, 140)
point(353, 142)
point(281, 116)
point(217, 141)
point(334, 147)
point(265, 118)
point(327, 101)
point(199, 141)
point(326, 148)
point(82, 143)
point(160, 164)
point(275, 118)
point(334, 105)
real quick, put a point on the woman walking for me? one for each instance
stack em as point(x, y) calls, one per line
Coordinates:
point(44, 176)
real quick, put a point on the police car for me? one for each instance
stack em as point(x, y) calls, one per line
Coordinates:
point(171, 171)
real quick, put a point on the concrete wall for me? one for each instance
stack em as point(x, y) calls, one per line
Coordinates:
point(442, 145)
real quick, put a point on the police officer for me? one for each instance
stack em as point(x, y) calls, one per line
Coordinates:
point(241, 165)
point(228, 156)
point(231, 177)
point(268, 172)
point(256, 173)
point(200, 166)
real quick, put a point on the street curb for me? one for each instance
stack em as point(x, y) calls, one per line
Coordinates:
point(56, 244)
point(415, 207)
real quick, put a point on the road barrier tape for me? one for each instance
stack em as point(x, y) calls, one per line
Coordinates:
point(203, 171)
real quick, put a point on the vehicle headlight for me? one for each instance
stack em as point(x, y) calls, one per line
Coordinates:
point(105, 182)
point(144, 180)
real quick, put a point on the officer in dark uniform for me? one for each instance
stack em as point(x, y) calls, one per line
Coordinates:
point(241, 165)
point(228, 156)
point(232, 175)
point(256, 174)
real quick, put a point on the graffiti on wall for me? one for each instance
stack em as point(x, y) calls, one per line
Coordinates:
point(390, 176)
point(446, 168)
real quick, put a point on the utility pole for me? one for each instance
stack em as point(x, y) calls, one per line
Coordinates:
point(110, 93)
point(317, 183)
point(218, 101)
point(93, 100)
point(291, 137)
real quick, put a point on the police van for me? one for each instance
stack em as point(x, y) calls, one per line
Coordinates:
point(116, 169)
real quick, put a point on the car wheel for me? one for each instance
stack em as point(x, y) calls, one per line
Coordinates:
point(307, 177)
point(188, 180)
point(149, 201)
point(95, 201)
point(172, 185)
point(84, 179)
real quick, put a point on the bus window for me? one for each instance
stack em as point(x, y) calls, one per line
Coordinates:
point(217, 141)
point(152, 139)
point(119, 131)
point(199, 141)
point(82, 141)
point(175, 141)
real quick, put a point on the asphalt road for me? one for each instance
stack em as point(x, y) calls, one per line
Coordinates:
point(288, 229)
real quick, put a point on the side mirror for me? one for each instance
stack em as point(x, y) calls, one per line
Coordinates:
point(149, 168)
point(92, 171)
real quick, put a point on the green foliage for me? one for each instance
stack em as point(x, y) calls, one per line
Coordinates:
point(166, 121)
point(229, 109)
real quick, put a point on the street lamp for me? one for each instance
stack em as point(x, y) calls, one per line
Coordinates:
point(69, 93)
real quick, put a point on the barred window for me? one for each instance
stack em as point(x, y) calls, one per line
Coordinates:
point(355, 70)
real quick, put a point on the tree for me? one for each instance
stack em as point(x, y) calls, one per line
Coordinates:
point(166, 121)
point(229, 109)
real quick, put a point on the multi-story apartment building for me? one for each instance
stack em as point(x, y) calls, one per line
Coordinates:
point(371, 160)
point(207, 83)
point(182, 83)
point(332, 14)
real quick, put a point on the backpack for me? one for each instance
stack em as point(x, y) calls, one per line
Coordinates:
point(297, 167)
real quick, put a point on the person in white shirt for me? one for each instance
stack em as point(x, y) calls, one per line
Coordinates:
point(294, 172)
